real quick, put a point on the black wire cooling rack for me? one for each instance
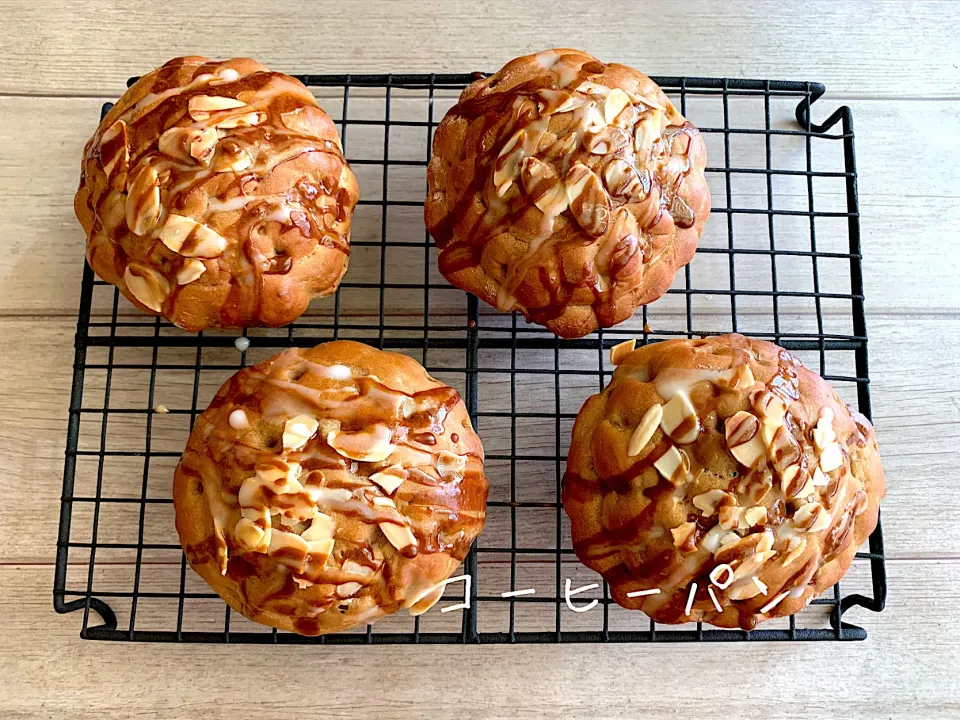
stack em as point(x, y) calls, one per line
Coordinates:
point(780, 259)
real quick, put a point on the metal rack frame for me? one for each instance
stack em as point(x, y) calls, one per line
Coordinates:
point(472, 335)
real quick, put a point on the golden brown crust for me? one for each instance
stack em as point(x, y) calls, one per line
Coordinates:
point(328, 487)
point(217, 195)
point(789, 504)
point(567, 189)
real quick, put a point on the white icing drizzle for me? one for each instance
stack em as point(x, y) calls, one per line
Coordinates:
point(672, 380)
point(238, 420)
point(548, 59)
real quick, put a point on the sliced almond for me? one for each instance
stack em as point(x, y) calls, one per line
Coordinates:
point(320, 550)
point(143, 199)
point(426, 601)
point(765, 542)
point(622, 179)
point(729, 517)
point(185, 143)
point(345, 590)
point(298, 120)
point(799, 485)
point(592, 88)
point(711, 541)
point(736, 549)
point(115, 154)
point(544, 186)
point(645, 430)
point(673, 465)
point(348, 589)
point(187, 237)
point(607, 141)
point(298, 430)
point(614, 104)
point(770, 407)
point(250, 536)
point(823, 433)
point(200, 106)
point(589, 202)
point(822, 522)
point(232, 158)
point(684, 536)
point(752, 564)
point(756, 515)
point(743, 438)
point(451, 465)
point(553, 202)
point(708, 502)
point(367, 446)
point(819, 478)
point(743, 590)
point(243, 120)
point(620, 351)
point(728, 538)
point(831, 458)
point(190, 271)
point(811, 517)
point(284, 476)
point(795, 547)
point(593, 120)
point(321, 527)
point(400, 536)
point(507, 166)
point(679, 419)
point(571, 103)
point(390, 478)
point(288, 548)
point(357, 569)
point(645, 132)
point(146, 285)
point(113, 210)
point(783, 449)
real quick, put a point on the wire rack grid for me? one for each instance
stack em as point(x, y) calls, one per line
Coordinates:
point(780, 259)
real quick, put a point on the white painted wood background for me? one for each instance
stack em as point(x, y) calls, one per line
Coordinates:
point(894, 63)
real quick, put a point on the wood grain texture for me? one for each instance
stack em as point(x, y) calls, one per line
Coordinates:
point(895, 64)
point(69, 48)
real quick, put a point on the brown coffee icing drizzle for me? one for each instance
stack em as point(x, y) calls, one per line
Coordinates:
point(784, 509)
point(334, 483)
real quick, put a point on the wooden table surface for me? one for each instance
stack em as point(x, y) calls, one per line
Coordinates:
point(895, 64)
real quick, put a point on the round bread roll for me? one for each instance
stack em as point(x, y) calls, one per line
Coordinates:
point(567, 189)
point(216, 194)
point(722, 462)
point(329, 487)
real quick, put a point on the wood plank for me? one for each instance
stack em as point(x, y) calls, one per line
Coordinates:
point(40, 273)
point(916, 409)
point(904, 669)
point(858, 48)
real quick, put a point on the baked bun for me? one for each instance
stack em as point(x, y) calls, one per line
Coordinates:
point(329, 487)
point(567, 189)
point(216, 194)
point(724, 451)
